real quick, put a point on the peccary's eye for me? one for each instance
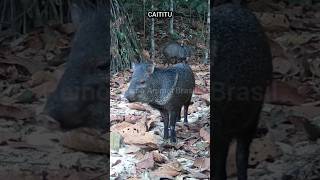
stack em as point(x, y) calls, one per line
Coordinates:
point(142, 81)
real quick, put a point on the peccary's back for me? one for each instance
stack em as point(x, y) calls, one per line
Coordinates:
point(185, 77)
point(242, 55)
point(242, 67)
point(176, 84)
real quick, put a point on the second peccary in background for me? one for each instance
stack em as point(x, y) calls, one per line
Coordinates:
point(175, 52)
point(80, 97)
point(166, 90)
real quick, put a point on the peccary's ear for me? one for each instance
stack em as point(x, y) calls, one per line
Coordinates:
point(76, 14)
point(150, 68)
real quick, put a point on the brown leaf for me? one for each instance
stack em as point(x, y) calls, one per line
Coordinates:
point(270, 150)
point(202, 163)
point(199, 90)
point(19, 174)
point(274, 22)
point(307, 111)
point(137, 106)
point(45, 89)
point(24, 145)
point(205, 98)
point(158, 157)
point(146, 163)
point(132, 118)
point(276, 49)
point(116, 118)
point(199, 175)
point(281, 65)
point(138, 128)
point(147, 139)
point(85, 139)
point(6, 136)
point(282, 93)
point(205, 134)
point(118, 127)
point(169, 170)
point(15, 112)
point(117, 162)
point(39, 78)
point(29, 65)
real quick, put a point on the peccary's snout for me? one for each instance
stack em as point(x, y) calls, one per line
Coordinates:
point(129, 95)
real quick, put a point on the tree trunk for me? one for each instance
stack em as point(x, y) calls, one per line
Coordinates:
point(171, 19)
point(152, 36)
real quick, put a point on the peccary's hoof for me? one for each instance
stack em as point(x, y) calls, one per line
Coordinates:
point(168, 144)
point(166, 141)
point(173, 144)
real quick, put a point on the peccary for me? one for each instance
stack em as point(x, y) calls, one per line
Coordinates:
point(80, 97)
point(175, 53)
point(242, 68)
point(166, 90)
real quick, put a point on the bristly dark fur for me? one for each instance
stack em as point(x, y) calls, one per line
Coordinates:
point(241, 69)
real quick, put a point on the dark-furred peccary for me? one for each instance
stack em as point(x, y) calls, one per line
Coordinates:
point(242, 69)
point(166, 90)
point(80, 97)
point(175, 52)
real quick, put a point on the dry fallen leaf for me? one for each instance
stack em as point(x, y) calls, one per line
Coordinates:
point(40, 77)
point(120, 126)
point(147, 139)
point(158, 157)
point(85, 139)
point(146, 163)
point(281, 93)
point(137, 106)
point(168, 170)
point(199, 90)
point(274, 22)
point(202, 163)
point(205, 133)
point(281, 66)
point(116, 117)
point(132, 118)
point(15, 112)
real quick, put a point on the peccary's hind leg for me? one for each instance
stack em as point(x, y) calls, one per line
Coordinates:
point(165, 119)
point(242, 156)
point(220, 153)
point(185, 109)
point(172, 120)
point(179, 116)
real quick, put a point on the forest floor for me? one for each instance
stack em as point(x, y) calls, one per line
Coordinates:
point(287, 144)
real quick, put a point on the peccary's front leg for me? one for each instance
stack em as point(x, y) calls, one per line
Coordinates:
point(242, 155)
point(173, 115)
point(165, 119)
point(220, 153)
